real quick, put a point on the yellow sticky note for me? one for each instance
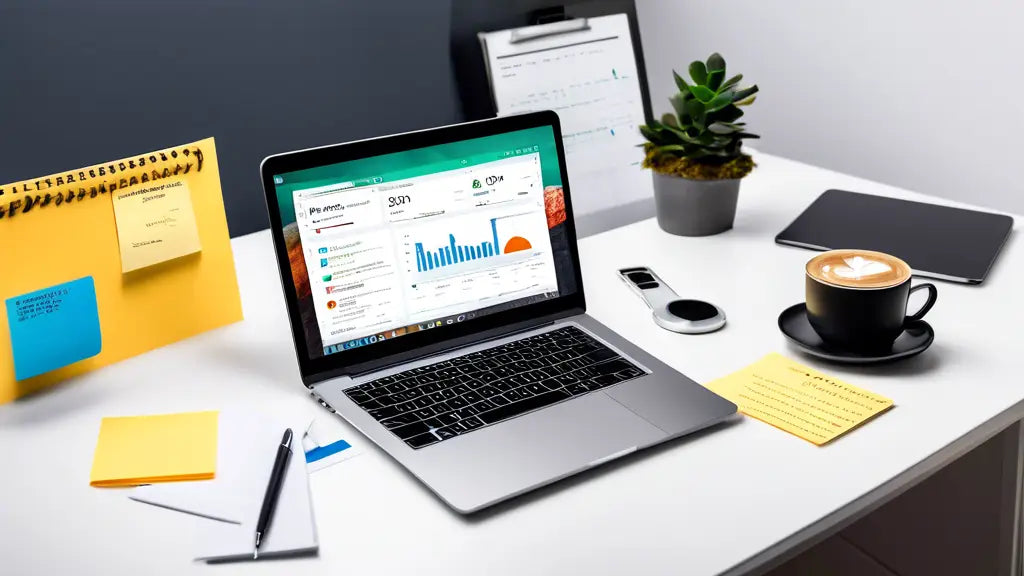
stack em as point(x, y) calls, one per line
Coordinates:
point(155, 223)
point(163, 448)
point(798, 399)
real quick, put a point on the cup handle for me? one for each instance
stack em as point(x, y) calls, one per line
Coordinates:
point(933, 294)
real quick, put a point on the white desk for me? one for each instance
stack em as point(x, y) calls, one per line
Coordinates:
point(724, 502)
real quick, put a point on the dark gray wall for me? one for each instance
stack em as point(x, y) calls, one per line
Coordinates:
point(85, 81)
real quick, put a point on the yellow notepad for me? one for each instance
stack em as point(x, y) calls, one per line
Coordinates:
point(798, 399)
point(164, 448)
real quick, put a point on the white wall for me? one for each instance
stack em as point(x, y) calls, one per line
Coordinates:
point(924, 95)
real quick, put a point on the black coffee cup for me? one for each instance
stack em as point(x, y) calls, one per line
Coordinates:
point(857, 299)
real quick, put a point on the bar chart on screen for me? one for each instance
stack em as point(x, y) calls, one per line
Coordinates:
point(460, 245)
point(456, 253)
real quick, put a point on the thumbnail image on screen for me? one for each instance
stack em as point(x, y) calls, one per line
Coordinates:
point(385, 246)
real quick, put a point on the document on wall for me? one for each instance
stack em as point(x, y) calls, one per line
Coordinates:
point(799, 400)
point(585, 70)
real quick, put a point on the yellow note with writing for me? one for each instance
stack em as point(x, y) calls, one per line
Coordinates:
point(155, 223)
point(798, 399)
point(162, 448)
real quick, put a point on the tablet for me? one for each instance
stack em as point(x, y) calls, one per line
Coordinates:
point(936, 241)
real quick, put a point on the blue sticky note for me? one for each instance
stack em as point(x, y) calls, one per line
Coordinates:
point(54, 327)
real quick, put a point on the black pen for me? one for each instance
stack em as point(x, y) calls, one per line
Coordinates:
point(284, 451)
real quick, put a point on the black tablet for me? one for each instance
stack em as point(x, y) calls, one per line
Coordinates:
point(937, 241)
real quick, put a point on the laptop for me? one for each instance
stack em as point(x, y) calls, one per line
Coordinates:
point(436, 303)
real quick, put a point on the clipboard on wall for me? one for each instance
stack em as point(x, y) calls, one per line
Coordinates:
point(585, 69)
point(469, 17)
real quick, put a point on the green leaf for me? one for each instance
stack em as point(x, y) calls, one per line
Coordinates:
point(728, 114)
point(725, 127)
point(716, 62)
point(745, 93)
point(698, 72)
point(695, 108)
point(715, 79)
point(671, 148)
point(680, 82)
point(669, 119)
point(745, 135)
point(731, 82)
point(720, 101)
point(678, 104)
point(745, 101)
point(702, 93)
point(652, 135)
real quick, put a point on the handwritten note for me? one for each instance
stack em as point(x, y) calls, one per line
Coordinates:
point(53, 327)
point(155, 223)
point(799, 400)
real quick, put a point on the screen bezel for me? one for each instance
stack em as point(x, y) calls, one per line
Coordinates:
point(417, 344)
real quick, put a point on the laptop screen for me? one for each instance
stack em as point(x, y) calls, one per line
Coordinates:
point(385, 246)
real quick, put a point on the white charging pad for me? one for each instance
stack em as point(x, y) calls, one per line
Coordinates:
point(669, 311)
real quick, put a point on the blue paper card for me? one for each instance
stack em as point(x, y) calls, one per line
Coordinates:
point(54, 327)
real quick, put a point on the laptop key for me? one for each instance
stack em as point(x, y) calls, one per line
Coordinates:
point(471, 422)
point(517, 408)
point(536, 388)
point(424, 413)
point(459, 390)
point(422, 402)
point(448, 418)
point(472, 397)
point(421, 440)
point(405, 407)
point(514, 395)
point(483, 406)
point(385, 412)
point(488, 391)
point(445, 433)
point(409, 430)
point(631, 373)
point(613, 366)
point(400, 420)
point(577, 389)
point(370, 405)
point(601, 354)
point(498, 400)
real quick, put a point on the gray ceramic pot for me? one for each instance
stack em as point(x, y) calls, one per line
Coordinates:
point(695, 207)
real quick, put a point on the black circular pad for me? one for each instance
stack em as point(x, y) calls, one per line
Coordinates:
point(693, 310)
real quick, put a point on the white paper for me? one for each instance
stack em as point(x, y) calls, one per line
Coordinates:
point(589, 77)
point(232, 500)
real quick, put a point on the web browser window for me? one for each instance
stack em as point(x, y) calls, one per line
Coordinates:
point(416, 246)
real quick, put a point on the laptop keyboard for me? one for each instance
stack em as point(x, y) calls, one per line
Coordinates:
point(426, 405)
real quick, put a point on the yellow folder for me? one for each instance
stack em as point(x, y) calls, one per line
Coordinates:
point(163, 448)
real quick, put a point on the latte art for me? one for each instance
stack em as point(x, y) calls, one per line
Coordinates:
point(858, 269)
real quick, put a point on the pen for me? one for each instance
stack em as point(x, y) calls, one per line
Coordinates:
point(284, 451)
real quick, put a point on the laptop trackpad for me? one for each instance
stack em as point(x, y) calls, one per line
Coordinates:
point(673, 403)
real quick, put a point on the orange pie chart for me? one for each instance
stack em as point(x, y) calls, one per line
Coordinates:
point(516, 243)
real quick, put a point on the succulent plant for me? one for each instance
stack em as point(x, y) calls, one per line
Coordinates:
point(705, 128)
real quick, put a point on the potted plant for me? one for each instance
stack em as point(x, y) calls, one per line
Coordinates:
point(695, 155)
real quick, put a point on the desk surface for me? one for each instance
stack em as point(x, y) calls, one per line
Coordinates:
point(723, 502)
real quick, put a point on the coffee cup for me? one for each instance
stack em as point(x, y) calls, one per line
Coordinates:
point(857, 299)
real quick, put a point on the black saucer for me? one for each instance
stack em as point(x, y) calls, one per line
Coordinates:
point(916, 338)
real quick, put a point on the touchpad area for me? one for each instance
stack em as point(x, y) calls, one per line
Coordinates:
point(675, 404)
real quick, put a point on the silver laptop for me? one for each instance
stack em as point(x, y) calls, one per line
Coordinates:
point(436, 302)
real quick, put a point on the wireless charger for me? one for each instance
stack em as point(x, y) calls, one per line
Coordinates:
point(669, 310)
